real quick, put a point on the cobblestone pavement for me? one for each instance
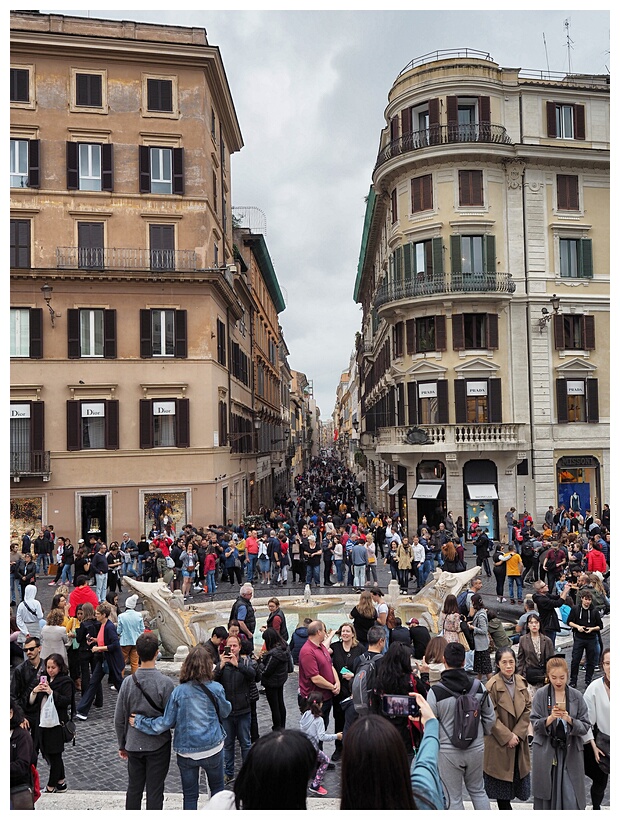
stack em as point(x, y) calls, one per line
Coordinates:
point(93, 764)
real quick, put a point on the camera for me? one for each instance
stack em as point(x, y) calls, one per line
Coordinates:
point(400, 706)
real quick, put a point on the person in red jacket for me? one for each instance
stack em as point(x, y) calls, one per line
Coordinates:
point(596, 560)
point(82, 594)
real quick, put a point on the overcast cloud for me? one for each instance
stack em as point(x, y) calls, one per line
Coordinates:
point(310, 89)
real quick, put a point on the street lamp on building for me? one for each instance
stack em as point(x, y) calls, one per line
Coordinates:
point(546, 316)
point(46, 290)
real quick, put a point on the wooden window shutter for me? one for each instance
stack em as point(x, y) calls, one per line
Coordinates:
point(82, 89)
point(146, 424)
point(394, 205)
point(437, 256)
point(455, 253)
point(111, 425)
point(182, 426)
point(410, 334)
point(391, 408)
point(562, 400)
point(145, 169)
point(592, 400)
point(406, 115)
point(398, 264)
point(495, 401)
point(558, 331)
point(394, 128)
point(551, 124)
point(443, 410)
point(180, 337)
point(20, 243)
point(73, 175)
point(109, 334)
point(20, 78)
point(73, 425)
point(477, 193)
point(588, 333)
point(34, 163)
point(416, 195)
point(584, 257)
point(484, 110)
point(36, 333)
point(107, 176)
point(433, 112)
point(400, 392)
point(427, 192)
point(458, 331)
point(407, 261)
point(37, 425)
point(440, 332)
point(580, 122)
point(489, 253)
point(492, 331)
point(568, 192)
point(73, 333)
point(178, 184)
point(460, 401)
point(146, 337)
point(452, 107)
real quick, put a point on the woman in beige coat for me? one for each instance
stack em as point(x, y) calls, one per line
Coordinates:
point(506, 752)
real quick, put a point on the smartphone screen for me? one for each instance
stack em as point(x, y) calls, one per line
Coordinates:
point(400, 705)
point(43, 679)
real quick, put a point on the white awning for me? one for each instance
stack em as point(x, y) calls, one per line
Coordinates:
point(481, 492)
point(427, 490)
point(385, 483)
point(396, 488)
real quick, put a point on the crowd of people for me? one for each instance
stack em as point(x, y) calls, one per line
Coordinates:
point(396, 694)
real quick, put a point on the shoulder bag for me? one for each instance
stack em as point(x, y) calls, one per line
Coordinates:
point(213, 700)
point(147, 697)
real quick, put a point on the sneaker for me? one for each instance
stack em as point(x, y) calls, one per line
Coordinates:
point(52, 584)
point(61, 787)
point(519, 600)
point(336, 755)
point(320, 790)
point(512, 601)
point(113, 689)
point(81, 717)
point(504, 600)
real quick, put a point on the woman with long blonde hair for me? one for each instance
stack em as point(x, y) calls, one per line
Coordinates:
point(363, 615)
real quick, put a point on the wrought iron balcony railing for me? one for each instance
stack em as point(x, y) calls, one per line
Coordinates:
point(429, 285)
point(443, 135)
point(125, 259)
point(30, 463)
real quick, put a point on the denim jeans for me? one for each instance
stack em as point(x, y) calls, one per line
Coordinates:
point(190, 771)
point(16, 590)
point(359, 575)
point(211, 581)
point(425, 571)
point(43, 562)
point(338, 564)
point(66, 574)
point(511, 581)
point(101, 579)
point(236, 727)
point(251, 566)
point(313, 575)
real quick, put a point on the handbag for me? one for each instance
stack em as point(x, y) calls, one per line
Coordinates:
point(602, 741)
point(535, 675)
point(68, 731)
point(463, 641)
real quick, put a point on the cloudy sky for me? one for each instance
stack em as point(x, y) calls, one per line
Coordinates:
point(310, 89)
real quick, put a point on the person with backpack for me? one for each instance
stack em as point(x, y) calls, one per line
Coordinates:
point(364, 670)
point(465, 714)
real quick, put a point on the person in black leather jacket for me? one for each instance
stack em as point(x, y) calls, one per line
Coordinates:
point(273, 666)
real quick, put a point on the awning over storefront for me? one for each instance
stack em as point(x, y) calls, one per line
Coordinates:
point(482, 492)
point(385, 484)
point(396, 488)
point(424, 490)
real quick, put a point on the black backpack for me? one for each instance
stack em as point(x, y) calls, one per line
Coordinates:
point(466, 715)
point(363, 684)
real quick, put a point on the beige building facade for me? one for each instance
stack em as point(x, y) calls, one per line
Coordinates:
point(484, 281)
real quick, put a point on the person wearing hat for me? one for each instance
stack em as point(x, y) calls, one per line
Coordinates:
point(129, 627)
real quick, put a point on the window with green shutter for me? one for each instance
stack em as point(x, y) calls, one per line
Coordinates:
point(576, 258)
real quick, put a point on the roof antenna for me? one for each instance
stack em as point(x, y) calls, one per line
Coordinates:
point(546, 54)
point(569, 42)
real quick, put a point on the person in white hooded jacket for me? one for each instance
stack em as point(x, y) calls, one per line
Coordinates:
point(29, 615)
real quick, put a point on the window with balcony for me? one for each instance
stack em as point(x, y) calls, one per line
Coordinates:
point(567, 192)
point(478, 401)
point(91, 333)
point(470, 188)
point(92, 425)
point(566, 121)
point(20, 85)
point(164, 423)
point(469, 118)
point(90, 245)
point(576, 258)
point(577, 400)
point(163, 332)
point(88, 90)
point(422, 193)
point(89, 166)
point(472, 255)
point(427, 402)
point(162, 247)
point(20, 243)
point(26, 333)
point(475, 331)
point(574, 332)
point(24, 163)
point(161, 170)
point(26, 438)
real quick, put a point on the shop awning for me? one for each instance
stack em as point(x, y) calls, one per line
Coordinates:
point(481, 492)
point(427, 490)
point(385, 484)
point(396, 488)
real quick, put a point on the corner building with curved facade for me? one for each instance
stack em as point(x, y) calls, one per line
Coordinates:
point(483, 277)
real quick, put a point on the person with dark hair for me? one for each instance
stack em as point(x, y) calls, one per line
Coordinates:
point(289, 753)
point(400, 633)
point(420, 636)
point(395, 676)
point(344, 652)
point(480, 630)
point(24, 678)
point(375, 768)
point(586, 623)
point(195, 710)
point(506, 752)
point(312, 725)
point(22, 758)
point(148, 756)
point(316, 670)
point(298, 639)
point(217, 640)
point(82, 593)
point(459, 767)
point(88, 627)
point(273, 666)
point(56, 682)
point(106, 641)
point(450, 619)
point(497, 632)
point(546, 604)
point(597, 741)
point(534, 651)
